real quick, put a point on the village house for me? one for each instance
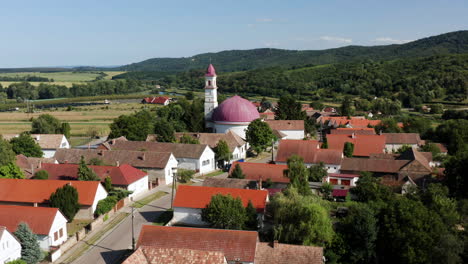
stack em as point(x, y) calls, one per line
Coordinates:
point(311, 153)
point(230, 183)
point(274, 252)
point(159, 165)
point(364, 145)
point(355, 131)
point(47, 223)
point(30, 165)
point(37, 193)
point(10, 247)
point(395, 141)
point(197, 157)
point(123, 176)
point(161, 100)
point(158, 255)
point(190, 200)
point(293, 129)
point(262, 172)
point(348, 180)
point(49, 143)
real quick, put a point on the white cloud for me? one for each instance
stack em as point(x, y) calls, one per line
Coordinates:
point(264, 20)
point(391, 40)
point(336, 39)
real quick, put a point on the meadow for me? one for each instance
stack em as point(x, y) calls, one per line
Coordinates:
point(60, 78)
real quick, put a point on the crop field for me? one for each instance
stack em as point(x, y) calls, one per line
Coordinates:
point(60, 78)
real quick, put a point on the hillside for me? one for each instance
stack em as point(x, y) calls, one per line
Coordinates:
point(241, 60)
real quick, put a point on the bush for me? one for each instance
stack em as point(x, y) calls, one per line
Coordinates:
point(185, 176)
point(105, 205)
point(41, 175)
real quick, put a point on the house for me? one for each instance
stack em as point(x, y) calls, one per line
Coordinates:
point(158, 255)
point(49, 143)
point(159, 165)
point(364, 145)
point(10, 247)
point(342, 179)
point(278, 253)
point(36, 193)
point(268, 115)
point(47, 223)
point(161, 100)
point(311, 153)
point(355, 131)
point(30, 165)
point(197, 157)
point(123, 176)
point(349, 122)
point(237, 246)
point(293, 129)
point(395, 141)
point(263, 172)
point(230, 183)
point(190, 200)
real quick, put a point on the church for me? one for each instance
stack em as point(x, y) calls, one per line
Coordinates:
point(233, 114)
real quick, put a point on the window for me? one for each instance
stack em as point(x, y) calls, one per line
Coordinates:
point(209, 83)
point(55, 236)
point(61, 232)
point(205, 162)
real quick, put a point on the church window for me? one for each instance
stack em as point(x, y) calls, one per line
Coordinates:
point(209, 83)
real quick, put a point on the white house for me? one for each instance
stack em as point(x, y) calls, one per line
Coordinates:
point(49, 143)
point(10, 247)
point(47, 223)
point(395, 141)
point(293, 129)
point(342, 179)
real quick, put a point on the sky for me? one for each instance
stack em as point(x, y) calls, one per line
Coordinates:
point(117, 32)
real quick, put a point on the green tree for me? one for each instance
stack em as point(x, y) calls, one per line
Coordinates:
point(26, 145)
point(404, 148)
point(237, 172)
point(437, 109)
point(348, 149)
point(252, 220)
point(186, 139)
point(134, 127)
point(298, 175)
point(41, 175)
point(431, 147)
point(11, 171)
point(346, 108)
point(455, 175)
point(164, 131)
point(289, 109)
point(66, 129)
point(223, 154)
point(85, 173)
point(7, 155)
point(388, 125)
point(369, 189)
point(66, 200)
point(327, 190)
point(259, 135)
point(184, 176)
point(317, 172)
point(46, 124)
point(225, 212)
point(108, 184)
point(30, 250)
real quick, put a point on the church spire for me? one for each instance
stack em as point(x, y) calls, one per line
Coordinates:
point(211, 96)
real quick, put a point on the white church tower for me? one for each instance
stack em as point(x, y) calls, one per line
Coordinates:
point(211, 96)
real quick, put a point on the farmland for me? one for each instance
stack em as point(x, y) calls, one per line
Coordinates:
point(60, 78)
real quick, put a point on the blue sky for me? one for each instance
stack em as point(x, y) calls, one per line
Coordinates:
point(104, 32)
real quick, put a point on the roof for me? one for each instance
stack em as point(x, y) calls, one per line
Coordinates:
point(154, 255)
point(353, 122)
point(29, 165)
point(350, 131)
point(263, 171)
point(342, 175)
point(210, 71)
point(39, 219)
point(139, 159)
point(191, 151)
point(45, 141)
point(402, 138)
point(372, 165)
point(340, 192)
point(422, 157)
point(236, 245)
point(228, 183)
point(308, 150)
point(122, 175)
point(185, 196)
point(212, 139)
point(277, 253)
point(364, 145)
point(156, 100)
point(286, 124)
point(39, 191)
point(235, 109)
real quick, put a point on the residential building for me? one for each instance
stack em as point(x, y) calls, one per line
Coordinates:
point(364, 145)
point(293, 129)
point(161, 100)
point(263, 172)
point(278, 253)
point(47, 223)
point(395, 141)
point(190, 200)
point(123, 176)
point(30, 165)
point(350, 131)
point(230, 183)
point(49, 143)
point(36, 193)
point(159, 165)
point(10, 247)
point(348, 180)
point(158, 255)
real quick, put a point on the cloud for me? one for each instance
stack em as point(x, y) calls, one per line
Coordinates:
point(264, 20)
point(336, 39)
point(391, 40)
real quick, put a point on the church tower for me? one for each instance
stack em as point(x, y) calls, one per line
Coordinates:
point(211, 96)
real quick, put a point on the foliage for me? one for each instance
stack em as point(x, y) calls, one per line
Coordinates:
point(105, 205)
point(317, 172)
point(41, 175)
point(134, 127)
point(85, 173)
point(404, 148)
point(46, 124)
point(455, 114)
point(298, 175)
point(346, 106)
point(108, 184)
point(96, 161)
point(186, 139)
point(66, 200)
point(18, 261)
point(11, 171)
point(119, 193)
point(348, 149)
point(26, 145)
point(388, 125)
point(289, 109)
point(164, 131)
point(237, 172)
point(455, 175)
point(369, 189)
point(30, 251)
point(431, 147)
point(259, 135)
point(222, 151)
point(66, 129)
point(453, 133)
point(252, 220)
point(326, 189)
point(437, 109)
point(7, 155)
point(225, 212)
point(184, 175)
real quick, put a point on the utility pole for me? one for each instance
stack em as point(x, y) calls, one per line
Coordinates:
point(133, 231)
point(174, 181)
point(272, 150)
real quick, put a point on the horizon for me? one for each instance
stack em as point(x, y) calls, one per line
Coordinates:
point(85, 33)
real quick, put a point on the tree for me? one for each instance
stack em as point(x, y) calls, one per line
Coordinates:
point(369, 189)
point(46, 124)
point(431, 147)
point(404, 148)
point(222, 152)
point(455, 175)
point(437, 109)
point(11, 171)
point(346, 108)
point(259, 135)
point(30, 250)
point(164, 131)
point(237, 172)
point(326, 190)
point(85, 173)
point(41, 175)
point(225, 212)
point(252, 220)
point(388, 125)
point(134, 127)
point(298, 175)
point(186, 139)
point(348, 149)
point(66, 200)
point(26, 145)
point(184, 176)
point(7, 155)
point(289, 109)
point(108, 184)
point(189, 95)
point(317, 172)
point(66, 129)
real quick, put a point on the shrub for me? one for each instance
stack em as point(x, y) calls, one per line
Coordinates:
point(105, 205)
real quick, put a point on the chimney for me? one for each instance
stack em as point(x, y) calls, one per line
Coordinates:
point(353, 135)
point(260, 183)
point(117, 163)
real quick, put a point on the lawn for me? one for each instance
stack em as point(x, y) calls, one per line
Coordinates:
point(148, 199)
point(76, 225)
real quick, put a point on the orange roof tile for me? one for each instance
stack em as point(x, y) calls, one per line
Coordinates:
point(308, 150)
point(350, 131)
point(364, 145)
point(154, 255)
point(39, 219)
point(257, 171)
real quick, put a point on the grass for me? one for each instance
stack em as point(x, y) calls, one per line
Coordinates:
point(76, 225)
point(214, 173)
point(78, 141)
point(164, 218)
point(148, 199)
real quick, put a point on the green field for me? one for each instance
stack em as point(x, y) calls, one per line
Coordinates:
point(60, 78)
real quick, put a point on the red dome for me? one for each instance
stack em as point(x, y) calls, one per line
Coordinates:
point(210, 71)
point(235, 109)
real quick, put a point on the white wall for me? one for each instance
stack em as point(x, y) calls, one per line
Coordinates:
point(187, 216)
point(64, 143)
point(139, 186)
point(352, 180)
point(331, 168)
point(10, 248)
point(48, 153)
point(207, 163)
point(100, 194)
point(172, 163)
point(293, 134)
point(391, 148)
point(43, 242)
point(238, 129)
point(60, 222)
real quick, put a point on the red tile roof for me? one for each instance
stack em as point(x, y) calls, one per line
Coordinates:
point(364, 145)
point(350, 131)
point(236, 245)
point(276, 253)
point(372, 165)
point(123, 175)
point(257, 171)
point(308, 150)
point(200, 196)
point(39, 219)
point(156, 100)
point(286, 124)
point(39, 191)
point(154, 255)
